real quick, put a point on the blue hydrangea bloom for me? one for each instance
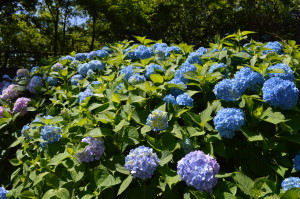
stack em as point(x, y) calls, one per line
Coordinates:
point(52, 81)
point(160, 50)
point(75, 78)
point(75, 64)
point(25, 131)
point(143, 52)
point(151, 69)
point(159, 45)
point(94, 150)
point(229, 120)
point(228, 90)
point(128, 71)
point(177, 91)
point(82, 95)
point(136, 78)
point(216, 66)
point(198, 170)
point(185, 67)
point(201, 51)
point(280, 93)
point(3, 193)
point(170, 99)
point(130, 54)
point(83, 68)
point(274, 46)
point(90, 72)
point(68, 57)
point(172, 49)
point(249, 79)
point(96, 65)
point(291, 182)
point(50, 134)
point(81, 56)
point(119, 87)
point(157, 120)
point(184, 100)
point(92, 54)
point(33, 69)
point(34, 83)
point(141, 162)
point(107, 49)
point(288, 75)
point(102, 53)
point(297, 162)
point(193, 58)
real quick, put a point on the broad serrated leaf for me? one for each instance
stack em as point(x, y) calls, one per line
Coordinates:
point(125, 184)
point(166, 157)
point(57, 159)
point(244, 183)
point(157, 78)
point(273, 117)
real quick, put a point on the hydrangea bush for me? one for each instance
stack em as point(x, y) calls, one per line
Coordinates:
point(155, 120)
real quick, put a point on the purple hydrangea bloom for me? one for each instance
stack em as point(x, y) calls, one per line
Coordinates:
point(157, 120)
point(288, 75)
point(10, 92)
point(199, 170)
point(96, 65)
point(52, 81)
point(151, 69)
point(57, 67)
point(50, 134)
point(81, 56)
point(228, 90)
point(280, 93)
point(297, 162)
point(128, 71)
point(102, 53)
point(143, 52)
point(7, 77)
point(229, 120)
point(1, 111)
point(82, 95)
point(4, 85)
point(136, 78)
point(35, 82)
point(141, 162)
point(184, 100)
point(291, 182)
point(23, 72)
point(94, 150)
point(21, 105)
point(249, 79)
point(274, 46)
point(75, 78)
point(3, 193)
point(170, 99)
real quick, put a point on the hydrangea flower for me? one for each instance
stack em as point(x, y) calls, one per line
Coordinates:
point(96, 65)
point(174, 49)
point(23, 72)
point(21, 105)
point(81, 56)
point(75, 78)
point(280, 93)
point(4, 85)
point(3, 193)
point(143, 52)
point(297, 162)
point(1, 111)
point(159, 45)
point(274, 46)
point(103, 53)
point(52, 81)
point(25, 131)
point(193, 58)
point(68, 57)
point(7, 77)
point(291, 182)
point(94, 150)
point(228, 90)
point(92, 54)
point(83, 69)
point(33, 69)
point(157, 120)
point(35, 82)
point(90, 72)
point(128, 71)
point(129, 54)
point(10, 92)
point(177, 91)
point(50, 134)
point(75, 64)
point(185, 67)
point(136, 78)
point(141, 162)
point(201, 51)
point(151, 69)
point(216, 66)
point(248, 78)
point(229, 120)
point(57, 67)
point(107, 49)
point(82, 95)
point(184, 100)
point(170, 99)
point(198, 170)
point(288, 75)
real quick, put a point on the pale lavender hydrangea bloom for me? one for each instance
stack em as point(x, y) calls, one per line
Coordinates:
point(57, 67)
point(198, 170)
point(157, 120)
point(94, 150)
point(34, 83)
point(1, 111)
point(21, 105)
point(10, 92)
point(23, 72)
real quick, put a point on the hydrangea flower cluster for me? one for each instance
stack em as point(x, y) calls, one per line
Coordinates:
point(3, 193)
point(184, 100)
point(34, 69)
point(92, 66)
point(288, 75)
point(229, 120)
point(274, 46)
point(103, 53)
point(157, 120)
point(143, 52)
point(201, 51)
point(128, 71)
point(68, 57)
point(217, 66)
point(228, 90)
point(194, 58)
point(81, 56)
point(57, 67)
point(129, 54)
point(92, 54)
point(10, 92)
point(185, 67)
point(75, 64)
point(1, 111)
point(177, 91)
point(35, 82)
point(94, 150)
point(297, 162)
point(21, 105)
point(291, 182)
point(74, 79)
point(25, 131)
point(280, 93)
point(52, 81)
point(141, 162)
point(249, 79)
point(82, 95)
point(151, 69)
point(170, 99)
point(4, 85)
point(136, 78)
point(23, 72)
point(198, 170)
point(50, 134)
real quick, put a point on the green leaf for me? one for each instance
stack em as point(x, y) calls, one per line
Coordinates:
point(251, 135)
point(125, 184)
point(244, 183)
point(104, 179)
point(27, 194)
point(61, 193)
point(293, 193)
point(57, 159)
point(171, 176)
point(273, 117)
point(165, 158)
point(39, 178)
point(157, 78)
point(242, 55)
point(116, 98)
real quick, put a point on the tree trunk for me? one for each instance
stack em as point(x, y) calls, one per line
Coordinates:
point(93, 32)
